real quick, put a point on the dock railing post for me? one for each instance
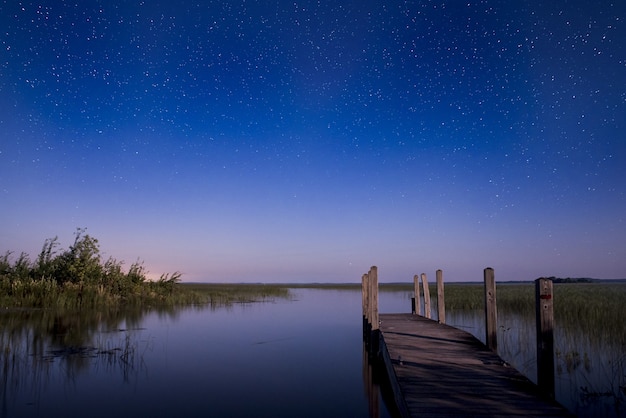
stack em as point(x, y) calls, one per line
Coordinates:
point(373, 279)
point(491, 314)
point(365, 298)
point(544, 308)
point(441, 306)
point(426, 296)
point(374, 333)
point(416, 295)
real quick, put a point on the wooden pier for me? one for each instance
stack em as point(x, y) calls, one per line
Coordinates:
point(439, 371)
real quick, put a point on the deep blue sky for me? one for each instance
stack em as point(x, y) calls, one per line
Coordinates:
point(307, 140)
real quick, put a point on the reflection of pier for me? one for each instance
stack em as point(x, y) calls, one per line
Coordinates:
point(438, 370)
point(372, 386)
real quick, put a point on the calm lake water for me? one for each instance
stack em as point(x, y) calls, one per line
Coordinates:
point(287, 358)
point(301, 357)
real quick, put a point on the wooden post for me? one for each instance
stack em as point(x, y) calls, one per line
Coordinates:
point(416, 295)
point(441, 306)
point(426, 296)
point(365, 298)
point(374, 334)
point(491, 314)
point(373, 279)
point(544, 308)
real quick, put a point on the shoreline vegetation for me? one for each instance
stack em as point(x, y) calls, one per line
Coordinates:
point(78, 278)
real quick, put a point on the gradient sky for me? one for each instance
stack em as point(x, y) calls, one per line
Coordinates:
point(308, 140)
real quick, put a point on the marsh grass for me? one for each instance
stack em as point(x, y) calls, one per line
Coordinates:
point(590, 336)
point(218, 294)
point(596, 310)
point(593, 308)
point(77, 278)
point(324, 286)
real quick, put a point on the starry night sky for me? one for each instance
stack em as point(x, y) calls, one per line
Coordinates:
point(307, 140)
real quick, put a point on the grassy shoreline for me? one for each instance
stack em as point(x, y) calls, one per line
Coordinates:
point(78, 279)
point(227, 293)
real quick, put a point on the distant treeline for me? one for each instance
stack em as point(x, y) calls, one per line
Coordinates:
point(570, 280)
point(573, 280)
point(77, 277)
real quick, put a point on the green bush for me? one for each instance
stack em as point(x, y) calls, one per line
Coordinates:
point(77, 278)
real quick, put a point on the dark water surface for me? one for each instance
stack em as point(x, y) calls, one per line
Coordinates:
point(287, 358)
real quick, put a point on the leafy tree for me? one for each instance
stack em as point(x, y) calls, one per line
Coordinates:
point(112, 274)
point(81, 263)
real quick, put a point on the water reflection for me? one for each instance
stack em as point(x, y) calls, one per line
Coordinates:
point(285, 358)
point(288, 358)
point(378, 390)
point(371, 385)
point(41, 350)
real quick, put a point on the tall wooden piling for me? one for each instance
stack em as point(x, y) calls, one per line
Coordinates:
point(426, 296)
point(441, 306)
point(365, 300)
point(544, 308)
point(373, 333)
point(373, 280)
point(416, 295)
point(369, 289)
point(491, 315)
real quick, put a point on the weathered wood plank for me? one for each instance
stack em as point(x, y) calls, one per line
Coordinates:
point(442, 371)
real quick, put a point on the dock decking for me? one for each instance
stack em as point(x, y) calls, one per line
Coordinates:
point(440, 371)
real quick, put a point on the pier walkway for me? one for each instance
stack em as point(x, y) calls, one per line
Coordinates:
point(439, 371)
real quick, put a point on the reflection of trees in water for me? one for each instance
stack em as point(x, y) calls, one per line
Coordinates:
point(125, 357)
point(111, 354)
point(24, 369)
point(37, 346)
